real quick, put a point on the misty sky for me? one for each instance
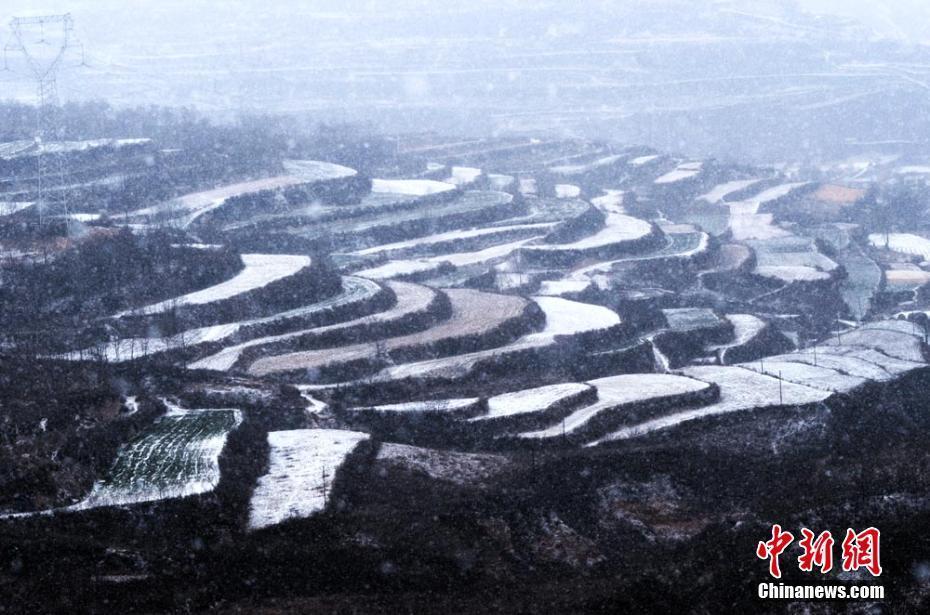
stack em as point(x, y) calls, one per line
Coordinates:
point(674, 73)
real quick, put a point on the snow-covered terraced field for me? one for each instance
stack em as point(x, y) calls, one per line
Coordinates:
point(260, 270)
point(581, 169)
point(435, 264)
point(610, 202)
point(721, 191)
point(533, 404)
point(747, 223)
point(690, 319)
point(462, 176)
point(301, 472)
point(619, 229)
point(473, 313)
point(617, 392)
point(432, 243)
point(896, 338)
point(413, 187)
point(317, 170)
point(640, 161)
point(685, 170)
point(411, 300)
point(354, 290)
point(859, 362)
point(563, 318)
point(567, 191)
point(677, 245)
point(791, 258)
point(426, 218)
point(460, 408)
point(745, 328)
point(176, 457)
point(740, 389)
point(905, 243)
point(814, 376)
point(190, 207)
point(401, 269)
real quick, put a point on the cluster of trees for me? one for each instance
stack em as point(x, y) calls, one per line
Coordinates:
point(46, 304)
point(198, 152)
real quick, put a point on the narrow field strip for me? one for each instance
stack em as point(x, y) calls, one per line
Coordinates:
point(260, 270)
point(411, 299)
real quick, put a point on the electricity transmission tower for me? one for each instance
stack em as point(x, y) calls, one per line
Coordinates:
point(43, 42)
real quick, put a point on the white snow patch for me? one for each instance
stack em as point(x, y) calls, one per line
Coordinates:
point(567, 191)
point(317, 170)
point(462, 176)
point(398, 268)
point(617, 228)
point(260, 270)
point(616, 391)
point(303, 465)
point(905, 243)
point(643, 160)
point(528, 186)
point(555, 288)
point(610, 202)
point(413, 187)
point(792, 273)
point(441, 406)
point(683, 171)
point(740, 389)
point(529, 401)
point(814, 376)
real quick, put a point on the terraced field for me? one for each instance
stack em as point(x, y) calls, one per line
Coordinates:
point(301, 473)
point(473, 314)
point(355, 291)
point(260, 270)
point(453, 324)
point(176, 457)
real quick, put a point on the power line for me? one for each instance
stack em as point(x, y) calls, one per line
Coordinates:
point(44, 58)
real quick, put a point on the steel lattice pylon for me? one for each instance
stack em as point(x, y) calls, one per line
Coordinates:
point(44, 70)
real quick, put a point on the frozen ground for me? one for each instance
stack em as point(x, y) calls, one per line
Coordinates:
point(458, 468)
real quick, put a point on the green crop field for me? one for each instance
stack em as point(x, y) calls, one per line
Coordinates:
point(177, 456)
